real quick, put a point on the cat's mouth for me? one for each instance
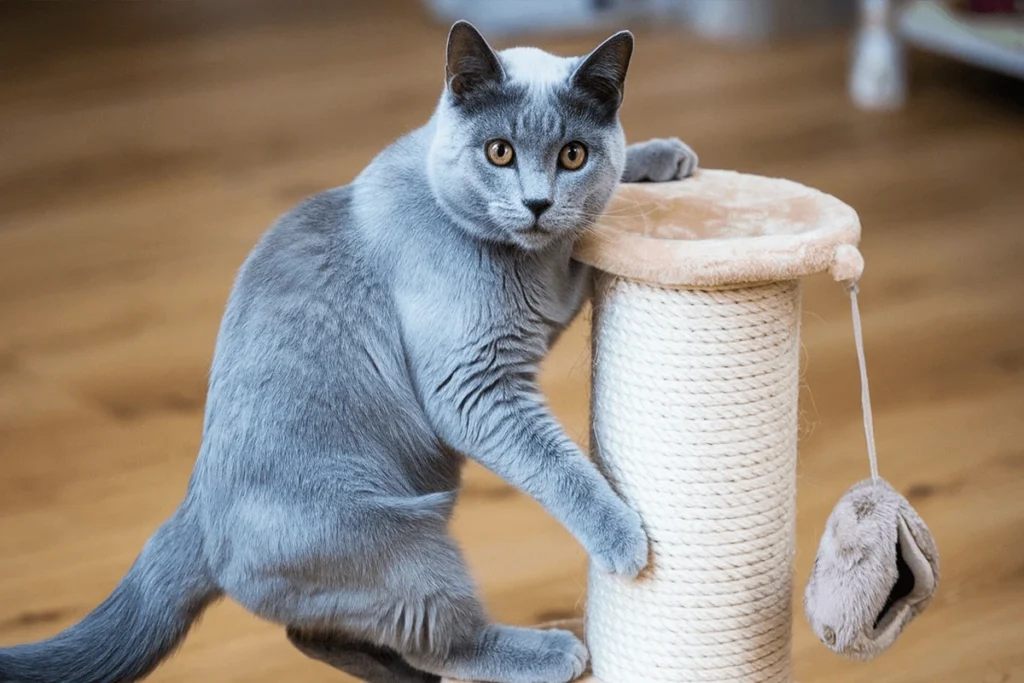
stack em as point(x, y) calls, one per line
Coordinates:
point(534, 236)
point(535, 230)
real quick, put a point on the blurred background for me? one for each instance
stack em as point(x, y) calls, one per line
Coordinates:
point(145, 146)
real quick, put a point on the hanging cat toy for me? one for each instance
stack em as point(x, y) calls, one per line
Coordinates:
point(696, 328)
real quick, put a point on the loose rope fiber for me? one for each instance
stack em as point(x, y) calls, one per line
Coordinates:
point(695, 424)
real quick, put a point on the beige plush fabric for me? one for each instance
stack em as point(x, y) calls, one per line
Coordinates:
point(876, 569)
point(722, 228)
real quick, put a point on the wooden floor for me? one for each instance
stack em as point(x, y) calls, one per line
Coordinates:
point(145, 146)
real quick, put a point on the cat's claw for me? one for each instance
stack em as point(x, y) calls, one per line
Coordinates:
point(659, 160)
point(624, 549)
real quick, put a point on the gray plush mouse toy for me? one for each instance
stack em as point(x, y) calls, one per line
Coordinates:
point(877, 566)
point(876, 569)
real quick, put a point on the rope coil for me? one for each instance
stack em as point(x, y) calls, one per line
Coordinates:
point(694, 421)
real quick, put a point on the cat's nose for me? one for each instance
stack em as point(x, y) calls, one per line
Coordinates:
point(537, 206)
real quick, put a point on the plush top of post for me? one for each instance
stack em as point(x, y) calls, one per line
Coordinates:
point(721, 228)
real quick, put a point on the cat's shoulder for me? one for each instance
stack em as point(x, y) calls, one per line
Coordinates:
point(319, 215)
point(314, 236)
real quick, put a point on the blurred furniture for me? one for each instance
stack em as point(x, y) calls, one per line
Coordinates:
point(501, 18)
point(719, 20)
point(991, 40)
point(761, 20)
point(985, 33)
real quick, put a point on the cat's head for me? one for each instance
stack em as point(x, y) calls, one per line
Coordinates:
point(528, 147)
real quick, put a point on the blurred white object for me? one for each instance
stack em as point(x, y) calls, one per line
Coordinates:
point(878, 77)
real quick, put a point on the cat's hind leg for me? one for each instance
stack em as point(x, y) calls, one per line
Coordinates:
point(364, 661)
point(455, 638)
point(425, 610)
point(508, 654)
point(386, 575)
point(498, 653)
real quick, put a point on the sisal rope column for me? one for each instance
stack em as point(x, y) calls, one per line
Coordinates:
point(696, 366)
point(694, 422)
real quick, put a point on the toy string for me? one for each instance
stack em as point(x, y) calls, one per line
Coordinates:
point(865, 395)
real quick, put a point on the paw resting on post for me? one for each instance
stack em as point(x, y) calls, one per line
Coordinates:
point(659, 160)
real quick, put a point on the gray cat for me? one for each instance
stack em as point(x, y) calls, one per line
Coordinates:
point(377, 333)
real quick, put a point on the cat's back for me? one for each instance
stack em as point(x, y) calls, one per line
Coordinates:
point(313, 247)
point(307, 303)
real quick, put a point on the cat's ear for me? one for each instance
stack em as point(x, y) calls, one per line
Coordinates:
point(602, 74)
point(472, 65)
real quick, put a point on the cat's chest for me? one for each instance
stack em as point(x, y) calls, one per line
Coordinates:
point(564, 292)
point(543, 297)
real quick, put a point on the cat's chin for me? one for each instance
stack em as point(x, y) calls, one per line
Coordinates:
point(533, 238)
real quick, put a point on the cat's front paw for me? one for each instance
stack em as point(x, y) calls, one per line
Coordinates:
point(659, 160)
point(622, 547)
point(568, 655)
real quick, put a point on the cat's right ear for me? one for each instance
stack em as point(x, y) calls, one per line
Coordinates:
point(472, 65)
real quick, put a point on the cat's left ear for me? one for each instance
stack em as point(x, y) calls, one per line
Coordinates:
point(602, 74)
point(472, 65)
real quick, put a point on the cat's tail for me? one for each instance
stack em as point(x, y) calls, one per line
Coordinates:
point(134, 629)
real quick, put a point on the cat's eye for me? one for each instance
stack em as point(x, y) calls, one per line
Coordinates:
point(573, 156)
point(500, 152)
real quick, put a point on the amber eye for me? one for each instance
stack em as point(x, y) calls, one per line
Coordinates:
point(500, 152)
point(573, 156)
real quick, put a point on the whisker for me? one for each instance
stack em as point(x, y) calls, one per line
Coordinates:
point(616, 214)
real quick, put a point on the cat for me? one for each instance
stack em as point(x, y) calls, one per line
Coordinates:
point(378, 334)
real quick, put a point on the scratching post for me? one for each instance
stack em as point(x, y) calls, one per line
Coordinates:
point(694, 422)
point(694, 408)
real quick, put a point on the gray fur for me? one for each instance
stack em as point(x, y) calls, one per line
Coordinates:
point(659, 160)
point(876, 569)
point(378, 334)
point(140, 624)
